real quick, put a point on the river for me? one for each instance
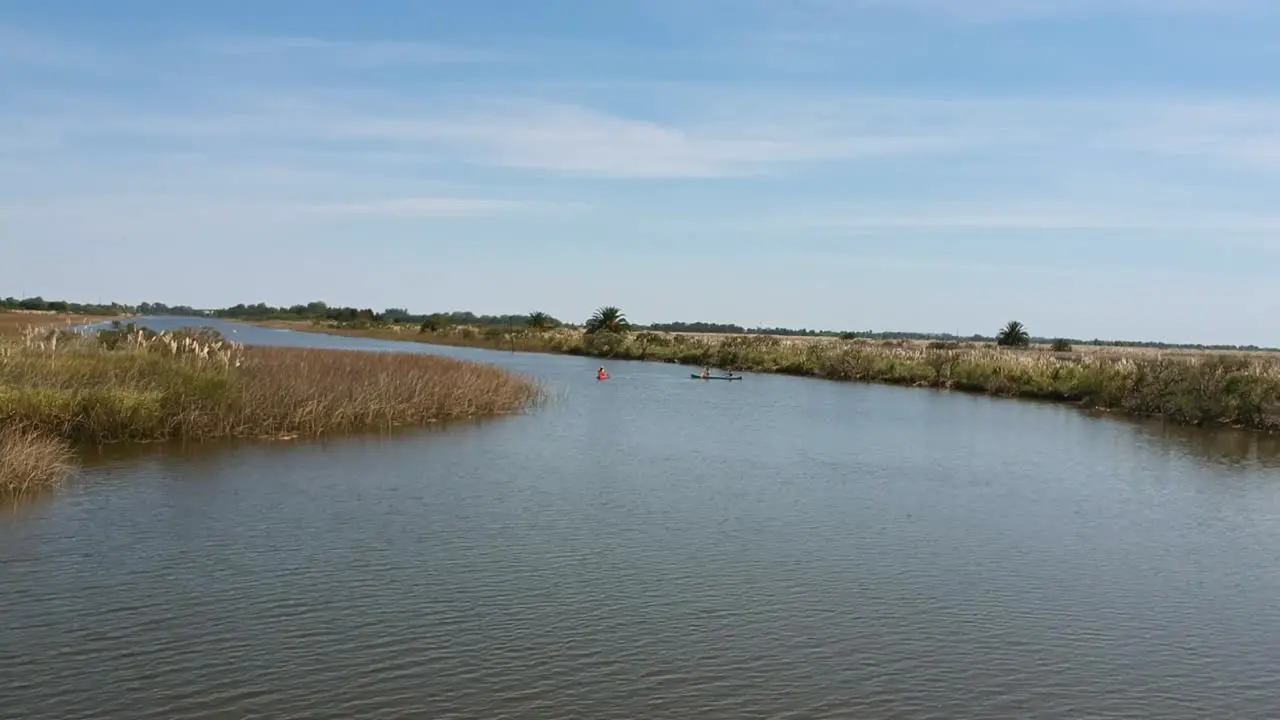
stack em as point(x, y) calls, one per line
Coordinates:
point(658, 547)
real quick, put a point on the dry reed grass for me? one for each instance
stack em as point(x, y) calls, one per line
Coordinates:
point(32, 461)
point(14, 323)
point(1196, 388)
point(135, 386)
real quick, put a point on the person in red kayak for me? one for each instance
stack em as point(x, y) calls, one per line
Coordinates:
point(601, 374)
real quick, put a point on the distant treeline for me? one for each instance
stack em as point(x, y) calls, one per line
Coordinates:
point(322, 311)
point(318, 310)
point(39, 304)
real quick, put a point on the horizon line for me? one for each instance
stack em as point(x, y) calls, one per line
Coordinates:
point(756, 330)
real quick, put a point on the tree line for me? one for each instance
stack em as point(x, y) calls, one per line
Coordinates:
point(39, 304)
point(318, 310)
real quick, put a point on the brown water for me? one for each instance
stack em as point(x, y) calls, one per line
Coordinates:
point(657, 547)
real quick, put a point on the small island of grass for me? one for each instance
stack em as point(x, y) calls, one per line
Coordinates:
point(127, 384)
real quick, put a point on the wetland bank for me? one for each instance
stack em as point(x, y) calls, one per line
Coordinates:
point(659, 547)
point(1192, 387)
point(60, 388)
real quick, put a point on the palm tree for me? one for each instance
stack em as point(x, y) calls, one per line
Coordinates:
point(540, 320)
point(1013, 334)
point(607, 319)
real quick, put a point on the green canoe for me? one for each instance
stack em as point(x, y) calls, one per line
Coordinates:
point(716, 377)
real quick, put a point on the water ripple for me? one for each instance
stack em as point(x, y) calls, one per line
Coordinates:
point(826, 551)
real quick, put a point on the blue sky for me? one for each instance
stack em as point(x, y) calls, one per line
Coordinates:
point(1093, 168)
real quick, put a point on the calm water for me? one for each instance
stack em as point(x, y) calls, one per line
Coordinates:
point(656, 547)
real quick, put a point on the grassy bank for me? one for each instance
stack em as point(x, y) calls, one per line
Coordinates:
point(136, 386)
point(14, 323)
point(31, 461)
point(1195, 388)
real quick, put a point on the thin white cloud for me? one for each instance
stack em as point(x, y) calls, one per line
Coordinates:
point(30, 50)
point(27, 141)
point(723, 133)
point(735, 140)
point(268, 145)
point(1244, 135)
point(220, 202)
point(989, 11)
point(558, 138)
point(148, 221)
point(453, 207)
point(351, 53)
point(577, 140)
point(1010, 217)
point(580, 141)
point(1254, 229)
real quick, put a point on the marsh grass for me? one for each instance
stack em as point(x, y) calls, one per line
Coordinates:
point(15, 323)
point(1194, 388)
point(132, 385)
point(32, 461)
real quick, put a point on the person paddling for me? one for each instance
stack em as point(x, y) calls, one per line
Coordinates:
point(601, 374)
point(706, 372)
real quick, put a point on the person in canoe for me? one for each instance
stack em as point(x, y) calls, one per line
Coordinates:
point(601, 374)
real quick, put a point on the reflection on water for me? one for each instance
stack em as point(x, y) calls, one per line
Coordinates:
point(1216, 446)
point(653, 547)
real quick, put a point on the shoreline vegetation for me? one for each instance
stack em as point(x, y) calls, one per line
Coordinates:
point(31, 461)
point(1198, 385)
point(1238, 388)
point(60, 389)
point(14, 323)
